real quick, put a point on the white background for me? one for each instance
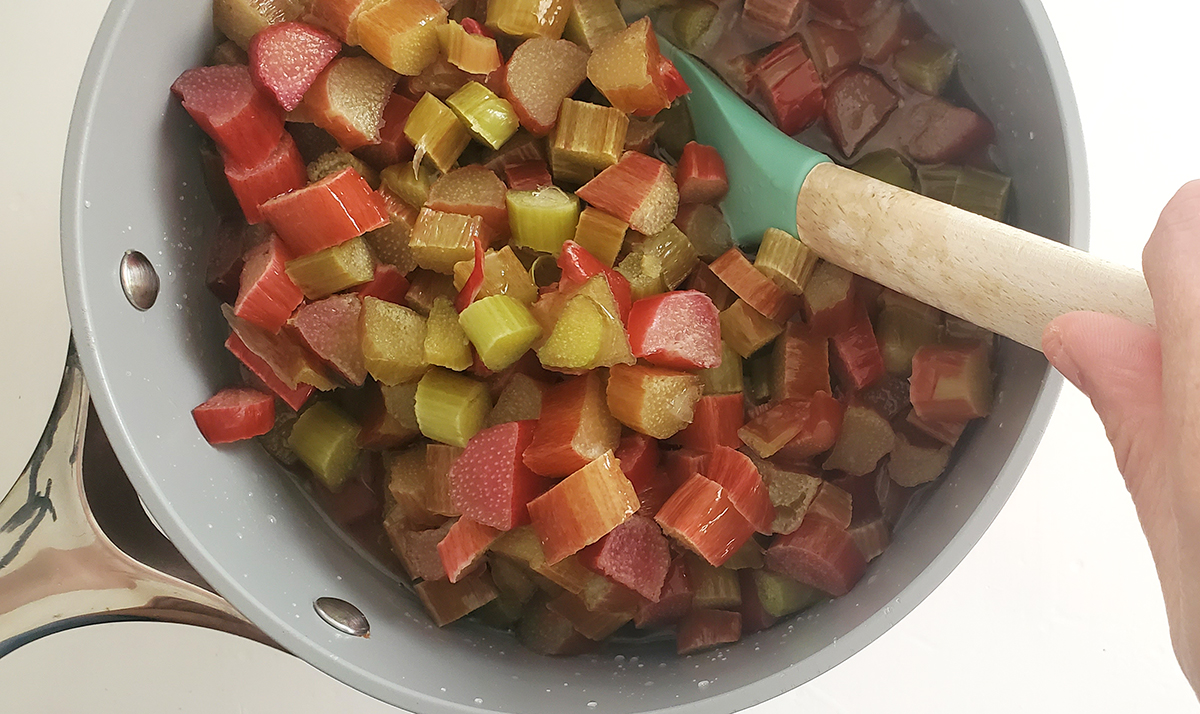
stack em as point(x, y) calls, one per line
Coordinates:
point(1057, 609)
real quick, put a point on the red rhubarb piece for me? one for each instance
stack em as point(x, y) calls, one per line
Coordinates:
point(701, 517)
point(447, 602)
point(947, 432)
point(832, 49)
point(833, 504)
point(856, 355)
point(290, 360)
point(818, 554)
point(856, 105)
point(669, 81)
point(268, 296)
point(393, 146)
point(490, 483)
point(418, 551)
point(821, 424)
point(578, 265)
point(230, 241)
point(755, 617)
point(706, 281)
point(388, 284)
point(788, 82)
point(244, 121)
point(331, 328)
point(234, 414)
point(751, 285)
point(337, 16)
point(939, 132)
point(280, 172)
point(531, 175)
point(679, 329)
point(582, 508)
point(634, 554)
point(329, 212)
point(951, 383)
point(674, 601)
point(743, 484)
point(464, 546)
point(286, 57)
point(575, 427)
point(293, 397)
point(540, 74)
point(639, 457)
point(348, 100)
point(705, 629)
point(679, 466)
point(474, 284)
point(769, 431)
point(631, 72)
point(800, 366)
point(637, 189)
point(716, 421)
point(773, 19)
point(701, 175)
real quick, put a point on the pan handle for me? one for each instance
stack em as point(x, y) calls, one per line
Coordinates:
point(58, 567)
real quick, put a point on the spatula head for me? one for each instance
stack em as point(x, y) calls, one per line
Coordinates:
point(766, 167)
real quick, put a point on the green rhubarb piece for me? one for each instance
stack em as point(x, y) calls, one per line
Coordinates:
point(593, 21)
point(393, 341)
point(332, 162)
point(490, 119)
point(905, 325)
point(575, 341)
point(926, 65)
point(512, 580)
point(758, 369)
point(644, 273)
point(410, 186)
point(400, 401)
point(888, 166)
point(714, 588)
point(501, 329)
point(938, 182)
point(521, 399)
point(677, 129)
point(678, 255)
point(446, 344)
point(725, 378)
point(692, 21)
point(982, 192)
point(785, 260)
point(781, 596)
point(748, 557)
point(332, 270)
point(326, 440)
point(436, 132)
point(451, 407)
point(542, 220)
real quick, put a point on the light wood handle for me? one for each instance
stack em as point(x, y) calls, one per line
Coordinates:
point(996, 276)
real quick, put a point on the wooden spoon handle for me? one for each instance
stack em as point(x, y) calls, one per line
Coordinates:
point(996, 276)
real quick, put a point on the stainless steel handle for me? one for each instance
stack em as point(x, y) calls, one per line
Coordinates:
point(58, 566)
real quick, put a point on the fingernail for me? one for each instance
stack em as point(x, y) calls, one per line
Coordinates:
point(1056, 352)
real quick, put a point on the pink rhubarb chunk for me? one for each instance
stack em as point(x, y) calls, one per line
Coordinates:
point(286, 57)
point(490, 482)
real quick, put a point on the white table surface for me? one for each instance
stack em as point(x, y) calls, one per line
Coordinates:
point(1056, 610)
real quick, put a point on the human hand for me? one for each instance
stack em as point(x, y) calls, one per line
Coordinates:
point(1145, 385)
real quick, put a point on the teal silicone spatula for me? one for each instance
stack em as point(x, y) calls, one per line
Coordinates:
point(996, 276)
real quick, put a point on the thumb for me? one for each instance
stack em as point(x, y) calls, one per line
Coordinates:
point(1118, 365)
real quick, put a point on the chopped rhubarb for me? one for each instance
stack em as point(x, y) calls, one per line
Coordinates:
point(389, 284)
point(286, 58)
point(832, 503)
point(829, 299)
point(436, 132)
point(754, 287)
point(639, 457)
point(528, 18)
point(439, 239)
point(447, 602)
point(230, 240)
point(888, 396)
point(503, 274)
point(701, 175)
point(705, 629)
point(871, 537)
point(755, 617)
point(332, 270)
point(332, 329)
point(674, 252)
point(947, 432)
point(787, 80)
point(679, 466)
point(706, 281)
point(472, 191)
point(679, 329)
point(381, 430)
point(638, 190)
point(327, 213)
point(326, 440)
point(951, 383)
point(402, 34)
point(393, 147)
point(425, 287)
point(575, 428)
point(856, 105)
point(791, 491)
point(578, 266)
point(360, 499)
point(800, 364)
point(393, 342)
point(713, 587)
point(771, 430)
point(440, 78)
point(630, 71)
point(541, 73)
point(280, 172)
point(240, 20)
point(244, 121)
point(471, 52)
point(268, 296)
point(634, 554)
point(892, 497)
point(337, 16)
point(595, 625)
point(852, 11)
point(675, 599)
point(294, 397)
point(819, 554)
point(885, 36)
point(917, 458)
point(641, 134)
point(546, 632)
point(490, 120)
point(490, 483)
point(464, 546)
point(832, 49)
point(439, 458)
point(774, 19)
point(865, 439)
point(706, 228)
point(408, 481)
point(582, 508)
point(926, 65)
point(519, 400)
point(234, 414)
point(743, 484)
point(287, 358)
point(821, 419)
point(716, 422)
point(939, 132)
point(747, 330)
point(781, 596)
point(531, 175)
point(726, 378)
point(702, 518)
point(856, 355)
point(651, 400)
point(348, 99)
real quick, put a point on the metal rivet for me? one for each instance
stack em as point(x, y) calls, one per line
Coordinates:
point(139, 281)
point(342, 616)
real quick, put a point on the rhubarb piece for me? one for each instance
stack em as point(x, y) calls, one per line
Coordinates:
point(286, 58)
point(856, 105)
point(574, 429)
point(472, 191)
point(951, 383)
point(856, 355)
point(680, 465)
point(774, 19)
point(576, 338)
point(280, 172)
point(956, 330)
point(892, 497)
point(701, 175)
point(586, 139)
point(866, 438)
point(788, 82)
point(548, 633)
point(947, 432)
point(781, 596)
point(380, 429)
point(905, 326)
point(388, 284)
point(706, 281)
point(832, 503)
point(489, 482)
point(674, 251)
point(939, 132)
point(791, 492)
point(639, 457)
point(439, 458)
point(439, 240)
point(757, 370)
point(332, 162)
point(400, 401)
point(785, 260)
point(675, 599)
point(327, 213)
point(821, 419)
point(234, 414)
point(231, 240)
point(871, 537)
point(244, 121)
point(425, 286)
point(321, 274)
point(417, 549)
point(528, 18)
point(881, 39)
point(638, 190)
point(888, 396)
point(436, 132)
point(532, 175)
point(472, 53)
point(521, 399)
point(401, 34)
point(917, 458)
point(591, 22)
point(725, 378)
point(348, 99)
point(490, 119)
point(290, 362)
point(326, 440)
point(409, 480)
point(755, 617)
point(746, 330)
point(743, 485)
point(926, 65)
point(818, 554)
point(594, 625)
point(771, 430)
point(393, 342)
point(600, 234)
point(829, 299)
point(541, 73)
point(464, 546)
point(800, 364)
point(501, 329)
point(716, 422)
point(680, 330)
point(268, 296)
point(331, 328)
point(704, 629)
point(705, 228)
point(240, 20)
point(446, 344)
point(603, 288)
point(634, 554)
point(753, 286)
point(503, 274)
point(651, 400)
point(712, 587)
point(644, 274)
point(447, 602)
point(542, 220)
point(702, 518)
point(293, 396)
point(393, 147)
point(582, 508)
point(630, 72)
point(451, 407)
point(748, 557)
point(971, 189)
point(411, 187)
point(889, 166)
point(832, 49)
point(852, 11)
point(441, 79)
point(677, 129)
point(641, 134)
point(511, 580)
point(693, 22)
